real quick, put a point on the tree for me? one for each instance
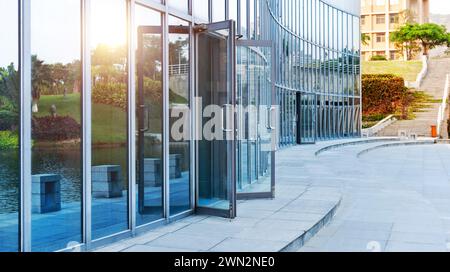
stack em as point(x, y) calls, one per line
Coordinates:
point(365, 39)
point(404, 42)
point(428, 35)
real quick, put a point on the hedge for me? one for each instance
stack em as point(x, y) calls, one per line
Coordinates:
point(59, 128)
point(382, 94)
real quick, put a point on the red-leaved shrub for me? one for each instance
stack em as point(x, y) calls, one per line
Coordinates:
point(59, 128)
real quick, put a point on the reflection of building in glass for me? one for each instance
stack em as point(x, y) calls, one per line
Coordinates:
point(97, 139)
point(381, 17)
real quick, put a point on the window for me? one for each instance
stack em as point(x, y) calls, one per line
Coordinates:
point(394, 2)
point(380, 19)
point(394, 18)
point(380, 2)
point(381, 37)
point(363, 20)
point(393, 55)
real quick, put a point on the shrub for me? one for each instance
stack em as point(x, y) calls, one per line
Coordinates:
point(8, 140)
point(113, 94)
point(378, 58)
point(58, 128)
point(8, 114)
point(382, 94)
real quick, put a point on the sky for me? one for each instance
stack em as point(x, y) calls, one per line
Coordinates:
point(440, 6)
point(59, 42)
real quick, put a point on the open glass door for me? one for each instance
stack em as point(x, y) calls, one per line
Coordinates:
point(257, 119)
point(216, 146)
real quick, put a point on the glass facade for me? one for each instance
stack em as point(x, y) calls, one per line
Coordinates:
point(318, 75)
point(135, 113)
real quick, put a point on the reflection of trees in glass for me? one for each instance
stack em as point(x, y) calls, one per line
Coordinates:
point(109, 64)
point(9, 98)
point(54, 79)
point(178, 50)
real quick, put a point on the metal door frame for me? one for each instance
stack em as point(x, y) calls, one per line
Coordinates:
point(229, 25)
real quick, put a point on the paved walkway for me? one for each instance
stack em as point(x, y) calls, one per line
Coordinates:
point(394, 199)
point(433, 85)
point(306, 196)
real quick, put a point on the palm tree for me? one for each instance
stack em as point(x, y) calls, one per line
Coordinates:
point(365, 39)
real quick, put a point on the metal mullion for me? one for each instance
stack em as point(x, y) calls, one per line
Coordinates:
point(193, 131)
point(87, 124)
point(166, 129)
point(25, 124)
point(131, 117)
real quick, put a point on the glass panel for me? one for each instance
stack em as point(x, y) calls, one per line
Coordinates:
point(218, 10)
point(179, 95)
point(150, 116)
point(9, 127)
point(200, 9)
point(182, 5)
point(109, 117)
point(214, 149)
point(56, 124)
point(243, 18)
point(255, 96)
point(233, 12)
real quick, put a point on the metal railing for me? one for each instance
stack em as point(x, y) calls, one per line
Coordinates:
point(420, 77)
point(442, 109)
point(372, 131)
point(179, 69)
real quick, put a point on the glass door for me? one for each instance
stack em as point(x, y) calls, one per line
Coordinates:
point(216, 145)
point(150, 160)
point(257, 112)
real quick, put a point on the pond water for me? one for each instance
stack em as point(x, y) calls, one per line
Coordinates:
point(53, 160)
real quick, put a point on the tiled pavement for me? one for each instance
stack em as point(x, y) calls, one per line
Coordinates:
point(394, 199)
point(302, 200)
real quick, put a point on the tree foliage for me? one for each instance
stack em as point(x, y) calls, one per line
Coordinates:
point(428, 36)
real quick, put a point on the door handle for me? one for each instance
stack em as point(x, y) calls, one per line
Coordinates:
point(270, 118)
point(145, 110)
point(225, 118)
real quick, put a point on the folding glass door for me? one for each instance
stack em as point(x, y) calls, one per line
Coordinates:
point(216, 145)
point(256, 115)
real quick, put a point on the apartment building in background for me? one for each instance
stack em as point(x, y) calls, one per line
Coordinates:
point(379, 18)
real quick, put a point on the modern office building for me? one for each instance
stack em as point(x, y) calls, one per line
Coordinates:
point(119, 116)
point(381, 17)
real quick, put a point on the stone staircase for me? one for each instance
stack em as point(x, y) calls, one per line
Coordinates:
point(433, 85)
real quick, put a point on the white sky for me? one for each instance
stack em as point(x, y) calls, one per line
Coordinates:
point(440, 6)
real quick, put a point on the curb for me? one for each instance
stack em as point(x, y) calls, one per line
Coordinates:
point(336, 146)
point(366, 151)
point(307, 235)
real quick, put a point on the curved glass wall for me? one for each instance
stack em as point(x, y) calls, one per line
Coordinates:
point(318, 77)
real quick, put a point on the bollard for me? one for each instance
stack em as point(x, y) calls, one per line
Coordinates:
point(434, 131)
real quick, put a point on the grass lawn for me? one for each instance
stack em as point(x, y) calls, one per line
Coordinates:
point(108, 123)
point(406, 69)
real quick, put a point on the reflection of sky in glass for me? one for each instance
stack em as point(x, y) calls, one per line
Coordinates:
point(46, 32)
point(8, 21)
point(109, 23)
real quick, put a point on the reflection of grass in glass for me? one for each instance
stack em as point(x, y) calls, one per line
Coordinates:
point(108, 122)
